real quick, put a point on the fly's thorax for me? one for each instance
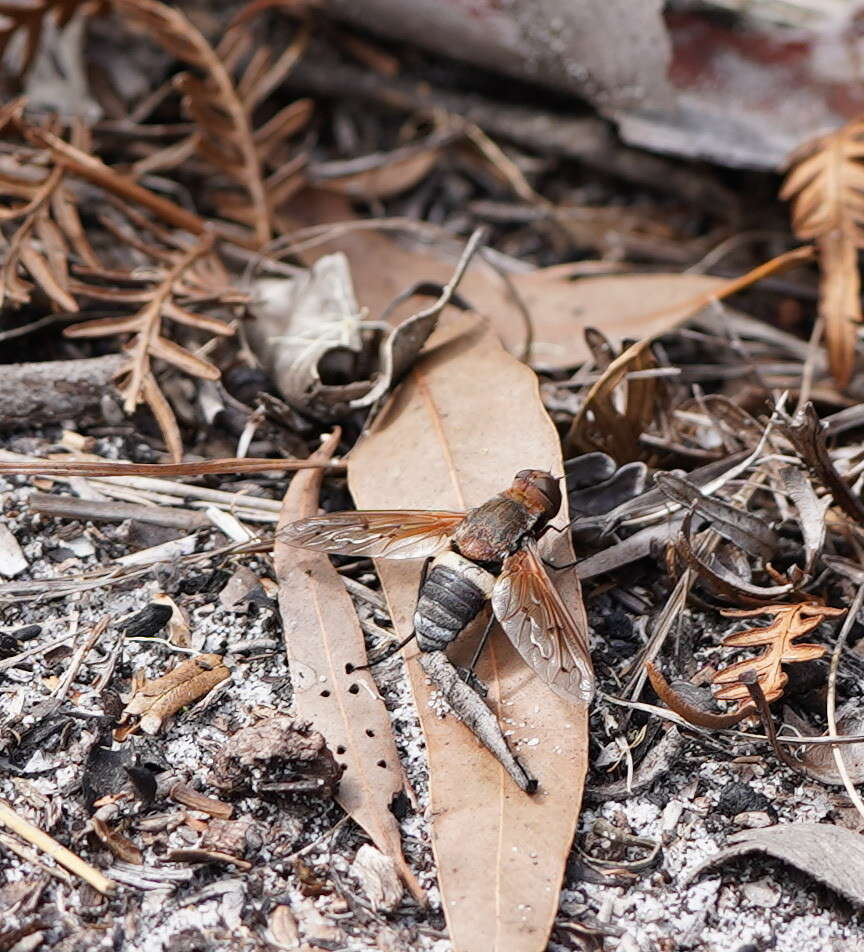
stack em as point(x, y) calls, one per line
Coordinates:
point(492, 531)
point(452, 595)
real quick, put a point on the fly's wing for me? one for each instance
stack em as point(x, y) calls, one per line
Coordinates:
point(542, 628)
point(384, 533)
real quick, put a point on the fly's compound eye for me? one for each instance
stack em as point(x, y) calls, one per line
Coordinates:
point(547, 484)
point(544, 483)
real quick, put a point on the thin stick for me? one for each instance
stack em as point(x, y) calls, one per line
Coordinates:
point(39, 838)
point(105, 468)
point(831, 701)
point(78, 658)
point(750, 679)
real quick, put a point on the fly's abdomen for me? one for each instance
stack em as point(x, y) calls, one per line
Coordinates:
point(451, 597)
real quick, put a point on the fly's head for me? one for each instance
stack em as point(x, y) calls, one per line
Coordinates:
point(539, 492)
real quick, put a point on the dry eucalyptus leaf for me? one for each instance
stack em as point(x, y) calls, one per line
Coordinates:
point(322, 636)
point(156, 700)
point(830, 854)
point(623, 305)
point(451, 439)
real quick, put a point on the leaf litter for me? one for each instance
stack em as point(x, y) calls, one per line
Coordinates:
point(723, 471)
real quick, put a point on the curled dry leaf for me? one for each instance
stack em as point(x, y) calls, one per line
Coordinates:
point(449, 439)
point(811, 513)
point(154, 701)
point(830, 854)
point(674, 696)
point(779, 640)
point(122, 847)
point(309, 335)
point(825, 185)
point(722, 581)
point(323, 636)
point(806, 432)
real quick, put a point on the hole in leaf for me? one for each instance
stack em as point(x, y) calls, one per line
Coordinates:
point(370, 732)
point(353, 688)
point(382, 763)
point(325, 694)
point(340, 749)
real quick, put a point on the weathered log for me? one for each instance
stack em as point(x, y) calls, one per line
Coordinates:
point(57, 390)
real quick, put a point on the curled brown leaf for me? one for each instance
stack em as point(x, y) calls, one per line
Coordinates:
point(157, 699)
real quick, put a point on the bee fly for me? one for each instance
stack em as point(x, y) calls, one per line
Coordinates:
point(487, 553)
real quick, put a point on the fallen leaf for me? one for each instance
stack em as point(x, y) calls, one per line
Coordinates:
point(818, 759)
point(119, 845)
point(156, 700)
point(674, 697)
point(308, 335)
point(322, 636)
point(789, 622)
point(622, 306)
point(831, 855)
point(450, 439)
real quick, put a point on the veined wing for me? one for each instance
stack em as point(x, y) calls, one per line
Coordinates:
point(544, 631)
point(384, 533)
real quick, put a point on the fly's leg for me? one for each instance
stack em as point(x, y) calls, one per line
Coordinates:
point(393, 649)
point(467, 674)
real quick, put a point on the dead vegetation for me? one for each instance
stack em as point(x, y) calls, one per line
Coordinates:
point(403, 309)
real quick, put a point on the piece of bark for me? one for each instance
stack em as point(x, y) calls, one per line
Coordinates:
point(57, 390)
point(832, 855)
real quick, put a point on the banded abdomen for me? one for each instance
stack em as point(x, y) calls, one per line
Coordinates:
point(454, 592)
